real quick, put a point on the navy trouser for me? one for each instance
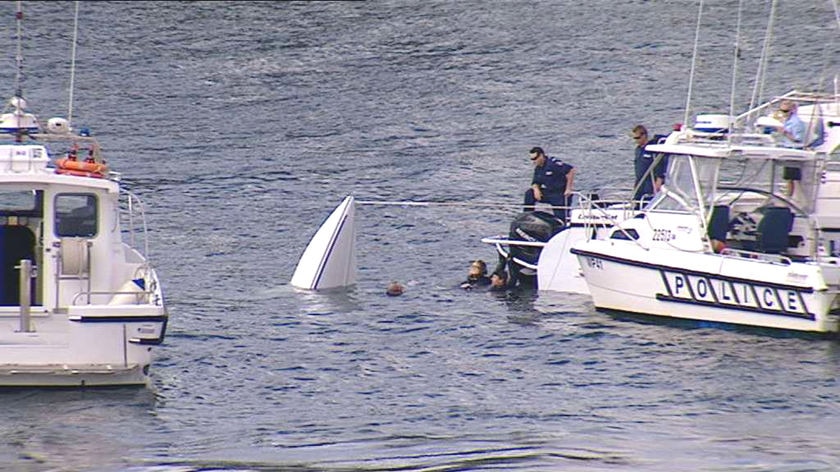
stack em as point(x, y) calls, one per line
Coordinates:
point(553, 199)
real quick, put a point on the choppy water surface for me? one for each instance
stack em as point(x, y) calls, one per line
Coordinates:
point(241, 125)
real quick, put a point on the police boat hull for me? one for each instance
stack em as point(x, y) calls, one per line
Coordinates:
point(761, 292)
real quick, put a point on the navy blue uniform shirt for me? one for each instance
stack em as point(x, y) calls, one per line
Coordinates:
point(551, 176)
point(644, 159)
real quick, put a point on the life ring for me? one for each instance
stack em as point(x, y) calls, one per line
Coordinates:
point(82, 169)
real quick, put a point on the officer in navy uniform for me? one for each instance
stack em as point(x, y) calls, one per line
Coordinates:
point(643, 160)
point(553, 183)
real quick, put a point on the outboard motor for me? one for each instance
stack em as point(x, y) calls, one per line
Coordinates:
point(533, 226)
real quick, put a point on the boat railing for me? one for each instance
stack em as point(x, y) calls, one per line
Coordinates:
point(134, 212)
point(600, 215)
point(748, 118)
point(603, 212)
point(599, 209)
point(128, 297)
point(752, 255)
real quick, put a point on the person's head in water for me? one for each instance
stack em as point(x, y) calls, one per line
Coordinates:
point(498, 281)
point(478, 268)
point(394, 289)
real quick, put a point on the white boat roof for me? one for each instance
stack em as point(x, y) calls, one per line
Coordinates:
point(720, 136)
point(29, 163)
point(681, 142)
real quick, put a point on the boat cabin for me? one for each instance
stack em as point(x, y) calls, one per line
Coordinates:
point(62, 224)
point(740, 189)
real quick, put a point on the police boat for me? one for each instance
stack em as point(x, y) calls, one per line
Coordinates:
point(745, 230)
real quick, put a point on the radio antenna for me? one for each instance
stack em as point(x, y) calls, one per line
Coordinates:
point(73, 67)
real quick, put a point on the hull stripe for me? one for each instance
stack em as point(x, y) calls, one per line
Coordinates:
point(689, 272)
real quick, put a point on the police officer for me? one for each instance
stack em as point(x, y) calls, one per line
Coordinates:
point(553, 183)
point(647, 183)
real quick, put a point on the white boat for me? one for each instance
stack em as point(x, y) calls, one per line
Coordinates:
point(744, 232)
point(79, 304)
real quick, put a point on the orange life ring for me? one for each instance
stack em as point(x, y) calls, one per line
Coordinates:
point(82, 169)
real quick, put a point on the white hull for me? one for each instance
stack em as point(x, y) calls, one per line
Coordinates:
point(709, 287)
point(81, 345)
point(558, 269)
point(83, 375)
point(329, 260)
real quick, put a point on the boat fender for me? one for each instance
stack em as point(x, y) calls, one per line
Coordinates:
point(131, 293)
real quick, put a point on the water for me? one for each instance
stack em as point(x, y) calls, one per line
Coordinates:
point(242, 125)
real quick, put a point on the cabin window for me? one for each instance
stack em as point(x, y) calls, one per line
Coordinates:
point(21, 202)
point(76, 215)
point(627, 234)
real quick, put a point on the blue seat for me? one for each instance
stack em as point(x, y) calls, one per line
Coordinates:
point(772, 234)
point(719, 222)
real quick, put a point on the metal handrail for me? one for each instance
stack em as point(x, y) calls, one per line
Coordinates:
point(139, 295)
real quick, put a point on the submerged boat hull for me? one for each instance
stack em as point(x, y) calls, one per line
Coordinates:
point(329, 260)
point(709, 287)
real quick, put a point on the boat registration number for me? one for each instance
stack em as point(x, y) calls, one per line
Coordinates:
point(663, 235)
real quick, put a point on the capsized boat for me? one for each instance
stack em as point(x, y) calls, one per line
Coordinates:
point(329, 260)
point(745, 231)
point(80, 304)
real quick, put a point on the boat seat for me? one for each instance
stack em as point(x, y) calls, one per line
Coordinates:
point(772, 234)
point(719, 222)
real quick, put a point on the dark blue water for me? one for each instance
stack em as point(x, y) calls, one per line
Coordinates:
point(242, 125)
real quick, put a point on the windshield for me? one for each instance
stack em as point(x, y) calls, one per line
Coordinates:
point(689, 184)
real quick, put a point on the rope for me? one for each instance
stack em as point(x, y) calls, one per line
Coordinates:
point(693, 63)
point(441, 204)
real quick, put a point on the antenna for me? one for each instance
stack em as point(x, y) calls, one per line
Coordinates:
point(736, 56)
point(17, 102)
point(73, 67)
point(19, 55)
point(758, 87)
point(693, 62)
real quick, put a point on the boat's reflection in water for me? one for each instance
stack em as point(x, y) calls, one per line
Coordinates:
point(52, 427)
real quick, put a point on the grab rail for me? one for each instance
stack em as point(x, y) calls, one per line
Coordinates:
point(139, 295)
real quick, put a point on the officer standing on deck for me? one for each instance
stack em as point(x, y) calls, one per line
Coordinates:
point(648, 180)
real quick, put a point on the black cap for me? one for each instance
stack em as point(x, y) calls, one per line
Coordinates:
point(536, 150)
